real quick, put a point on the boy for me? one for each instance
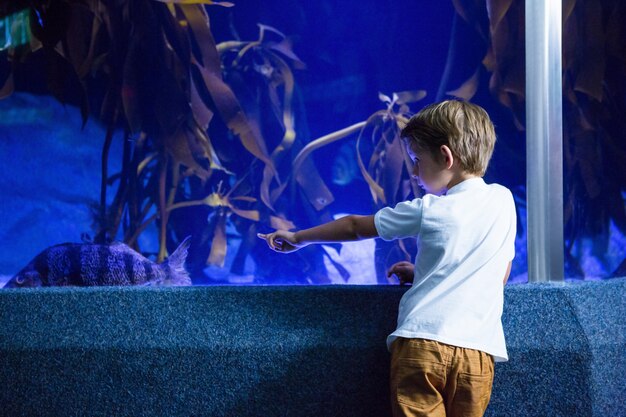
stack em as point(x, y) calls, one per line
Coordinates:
point(449, 322)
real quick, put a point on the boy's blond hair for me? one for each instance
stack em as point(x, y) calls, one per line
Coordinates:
point(464, 127)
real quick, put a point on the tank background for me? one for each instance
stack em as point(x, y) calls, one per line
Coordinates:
point(50, 168)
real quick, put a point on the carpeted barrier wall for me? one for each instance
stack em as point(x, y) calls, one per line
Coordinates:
point(287, 351)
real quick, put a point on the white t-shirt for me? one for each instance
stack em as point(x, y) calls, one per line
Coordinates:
point(465, 241)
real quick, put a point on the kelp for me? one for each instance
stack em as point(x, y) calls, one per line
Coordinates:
point(594, 102)
point(211, 130)
point(504, 58)
point(271, 60)
point(261, 75)
point(164, 85)
point(388, 170)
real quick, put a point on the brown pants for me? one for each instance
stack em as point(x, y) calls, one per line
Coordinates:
point(433, 379)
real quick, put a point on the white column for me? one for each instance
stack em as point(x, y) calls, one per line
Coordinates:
point(544, 140)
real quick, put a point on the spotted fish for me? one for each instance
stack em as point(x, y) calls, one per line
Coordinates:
point(89, 264)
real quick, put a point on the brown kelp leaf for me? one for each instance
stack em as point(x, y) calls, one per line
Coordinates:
point(264, 190)
point(76, 42)
point(244, 198)
point(94, 48)
point(288, 125)
point(567, 9)
point(496, 10)
point(461, 10)
point(265, 28)
point(379, 151)
point(405, 97)
point(322, 141)
point(377, 191)
point(229, 46)
point(176, 38)
point(130, 84)
point(199, 29)
point(280, 223)
point(218, 245)
point(216, 199)
point(277, 192)
point(201, 147)
point(287, 117)
point(313, 186)
point(285, 48)
point(489, 61)
point(243, 51)
point(278, 74)
point(467, 10)
point(247, 214)
point(570, 44)
point(402, 119)
point(583, 121)
point(235, 119)
point(467, 90)
point(307, 175)
point(144, 162)
point(392, 168)
point(495, 87)
point(177, 146)
point(501, 42)
point(590, 77)
point(515, 79)
point(201, 111)
point(227, 104)
point(384, 98)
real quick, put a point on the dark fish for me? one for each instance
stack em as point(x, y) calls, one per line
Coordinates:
point(345, 168)
point(88, 264)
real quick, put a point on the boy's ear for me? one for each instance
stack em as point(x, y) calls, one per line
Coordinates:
point(447, 156)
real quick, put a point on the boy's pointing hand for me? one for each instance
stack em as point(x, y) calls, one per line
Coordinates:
point(281, 241)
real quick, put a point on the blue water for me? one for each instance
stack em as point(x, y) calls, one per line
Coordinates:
point(50, 167)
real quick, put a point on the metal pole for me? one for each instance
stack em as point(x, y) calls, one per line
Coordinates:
point(544, 140)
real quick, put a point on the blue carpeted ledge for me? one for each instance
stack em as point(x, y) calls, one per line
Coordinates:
point(287, 351)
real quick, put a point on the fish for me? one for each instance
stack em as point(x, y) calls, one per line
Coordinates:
point(345, 168)
point(91, 264)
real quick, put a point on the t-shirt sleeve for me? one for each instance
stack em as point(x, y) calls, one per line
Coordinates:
point(404, 220)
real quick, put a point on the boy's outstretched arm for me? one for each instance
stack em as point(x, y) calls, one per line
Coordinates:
point(349, 228)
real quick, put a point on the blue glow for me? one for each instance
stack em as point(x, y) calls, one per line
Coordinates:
point(50, 168)
point(15, 30)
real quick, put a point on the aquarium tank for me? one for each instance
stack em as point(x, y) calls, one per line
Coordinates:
point(149, 122)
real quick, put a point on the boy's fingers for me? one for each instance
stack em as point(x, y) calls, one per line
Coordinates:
point(269, 239)
point(276, 241)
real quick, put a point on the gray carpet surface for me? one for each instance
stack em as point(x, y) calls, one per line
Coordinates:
point(287, 351)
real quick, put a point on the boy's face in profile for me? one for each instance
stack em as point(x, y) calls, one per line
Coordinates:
point(430, 172)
